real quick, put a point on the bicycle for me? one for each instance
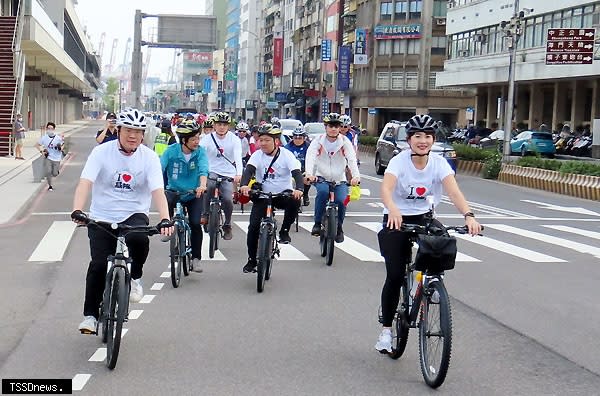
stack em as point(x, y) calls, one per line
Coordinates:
point(329, 222)
point(180, 249)
point(418, 309)
point(268, 247)
point(215, 216)
point(114, 309)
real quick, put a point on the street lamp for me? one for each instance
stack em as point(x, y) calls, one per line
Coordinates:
point(512, 33)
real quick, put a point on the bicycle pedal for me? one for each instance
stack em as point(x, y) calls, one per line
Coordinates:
point(87, 332)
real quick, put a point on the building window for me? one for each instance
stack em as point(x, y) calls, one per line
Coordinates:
point(401, 9)
point(414, 46)
point(386, 10)
point(382, 81)
point(432, 77)
point(397, 81)
point(331, 23)
point(411, 81)
point(384, 47)
point(440, 8)
point(416, 6)
point(438, 45)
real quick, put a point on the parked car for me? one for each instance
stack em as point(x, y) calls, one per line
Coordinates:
point(533, 141)
point(288, 125)
point(393, 140)
point(314, 129)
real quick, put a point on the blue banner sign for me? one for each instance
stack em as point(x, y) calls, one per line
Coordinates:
point(385, 32)
point(281, 96)
point(325, 50)
point(344, 60)
point(260, 81)
point(207, 85)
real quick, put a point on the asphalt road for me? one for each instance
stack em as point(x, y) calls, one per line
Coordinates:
point(524, 313)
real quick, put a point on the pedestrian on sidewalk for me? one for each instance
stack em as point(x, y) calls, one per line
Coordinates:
point(109, 132)
point(50, 146)
point(19, 133)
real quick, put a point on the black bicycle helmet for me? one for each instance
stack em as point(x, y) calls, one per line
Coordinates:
point(420, 123)
point(221, 116)
point(208, 123)
point(333, 118)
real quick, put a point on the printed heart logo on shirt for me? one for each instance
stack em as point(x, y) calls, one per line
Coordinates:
point(221, 150)
point(420, 191)
point(271, 170)
point(126, 178)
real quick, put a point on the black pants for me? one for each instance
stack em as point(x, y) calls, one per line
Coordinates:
point(194, 209)
point(104, 244)
point(259, 208)
point(396, 249)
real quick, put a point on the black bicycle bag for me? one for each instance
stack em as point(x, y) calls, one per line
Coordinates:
point(435, 253)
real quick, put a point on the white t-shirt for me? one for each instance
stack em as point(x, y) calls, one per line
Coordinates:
point(123, 185)
point(414, 185)
point(279, 176)
point(51, 144)
point(230, 147)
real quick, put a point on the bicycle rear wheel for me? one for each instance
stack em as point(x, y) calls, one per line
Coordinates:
point(435, 335)
point(117, 312)
point(213, 229)
point(176, 259)
point(400, 326)
point(330, 236)
point(263, 257)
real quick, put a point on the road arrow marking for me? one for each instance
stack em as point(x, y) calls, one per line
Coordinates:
point(570, 209)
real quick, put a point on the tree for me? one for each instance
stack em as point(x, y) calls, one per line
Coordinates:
point(111, 94)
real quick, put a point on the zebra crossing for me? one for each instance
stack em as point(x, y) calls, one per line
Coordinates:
point(533, 244)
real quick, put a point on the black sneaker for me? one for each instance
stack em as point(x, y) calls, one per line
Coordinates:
point(227, 234)
point(306, 201)
point(250, 266)
point(339, 237)
point(284, 237)
point(316, 230)
point(50, 188)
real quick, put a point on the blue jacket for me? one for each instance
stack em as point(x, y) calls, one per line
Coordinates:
point(298, 151)
point(183, 175)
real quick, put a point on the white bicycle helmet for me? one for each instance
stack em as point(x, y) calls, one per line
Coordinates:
point(242, 126)
point(346, 120)
point(133, 119)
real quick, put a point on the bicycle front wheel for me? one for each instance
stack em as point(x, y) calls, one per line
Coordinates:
point(331, 231)
point(435, 334)
point(184, 251)
point(213, 229)
point(117, 312)
point(175, 258)
point(263, 257)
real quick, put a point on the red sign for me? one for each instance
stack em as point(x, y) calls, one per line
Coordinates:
point(278, 57)
point(570, 46)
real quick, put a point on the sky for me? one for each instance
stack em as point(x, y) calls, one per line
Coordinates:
point(116, 17)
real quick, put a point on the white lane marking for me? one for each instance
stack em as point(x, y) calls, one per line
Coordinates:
point(288, 252)
point(218, 255)
point(571, 209)
point(376, 227)
point(165, 275)
point(98, 356)
point(352, 247)
point(147, 299)
point(367, 177)
point(79, 381)
point(508, 248)
point(135, 313)
point(123, 332)
point(376, 204)
point(53, 245)
point(365, 191)
point(157, 286)
point(563, 243)
point(578, 231)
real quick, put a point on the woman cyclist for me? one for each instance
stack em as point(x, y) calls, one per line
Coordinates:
point(411, 177)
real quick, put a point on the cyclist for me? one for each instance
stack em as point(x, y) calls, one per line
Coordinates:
point(410, 178)
point(186, 165)
point(242, 132)
point(253, 139)
point(164, 139)
point(123, 176)
point(350, 133)
point(274, 169)
point(224, 152)
point(207, 127)
point(327, 156)
point(298, 146)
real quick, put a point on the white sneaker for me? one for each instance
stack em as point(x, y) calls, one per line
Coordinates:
point(88, 326)
point(384, 344)
point(196, 264)
point(137, 292)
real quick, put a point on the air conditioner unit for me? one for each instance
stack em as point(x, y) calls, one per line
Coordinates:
point(440, 21)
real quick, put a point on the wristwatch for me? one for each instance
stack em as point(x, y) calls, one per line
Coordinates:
point(469, 214)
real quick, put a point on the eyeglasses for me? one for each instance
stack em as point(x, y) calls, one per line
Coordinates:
point(298, 136)
point(50, 128)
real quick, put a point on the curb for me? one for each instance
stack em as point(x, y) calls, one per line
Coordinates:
point(471, 168)
point(580, 186)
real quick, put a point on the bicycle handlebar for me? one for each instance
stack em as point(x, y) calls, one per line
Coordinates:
point(150, 230)
point(321, 179)
point(220, 179)
point(262, 194)
point(432, 229)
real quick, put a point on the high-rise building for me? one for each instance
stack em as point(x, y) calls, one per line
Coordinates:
point(248, 96)
point(218, 9)
point(232, 42)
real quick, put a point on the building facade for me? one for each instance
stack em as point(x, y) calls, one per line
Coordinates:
point(247, 97)
point(232, 42)
point(553, 94)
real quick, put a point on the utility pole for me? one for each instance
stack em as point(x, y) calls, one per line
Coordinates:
point(136, 60)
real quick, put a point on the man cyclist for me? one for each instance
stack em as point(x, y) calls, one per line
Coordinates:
point(123, 177)
point(299, 146)
point(327, 157)
point(186, 166)
point(350, 133)
point(409, 179)
point(207, 127)
point(274, 169)
point(242, 132)
point(224, 152)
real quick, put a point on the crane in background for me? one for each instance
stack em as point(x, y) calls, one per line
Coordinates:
point(126, 66)
point(101, 46)
point(113, 54)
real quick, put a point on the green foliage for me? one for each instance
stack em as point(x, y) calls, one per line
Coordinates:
point(492, 166)
point(575, 167)
point(368, 140)
point(469, 153)
point(111, 95)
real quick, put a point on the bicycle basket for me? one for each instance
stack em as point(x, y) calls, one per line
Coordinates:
point(435, 253)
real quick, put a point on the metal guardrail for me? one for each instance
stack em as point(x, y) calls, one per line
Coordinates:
point(18, 67)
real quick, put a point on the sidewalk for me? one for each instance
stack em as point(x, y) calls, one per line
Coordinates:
point(17, 188)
